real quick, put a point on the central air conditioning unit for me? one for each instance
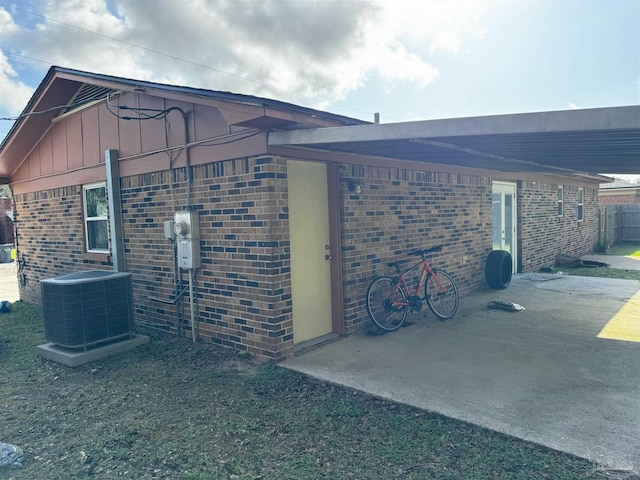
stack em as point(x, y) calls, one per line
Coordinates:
point(88, 308)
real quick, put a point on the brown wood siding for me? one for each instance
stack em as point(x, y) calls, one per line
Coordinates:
point(74, 142)
point(108, 133)
point(59, 144)
point(33, 167)
point(152, 133)
point(129, 131)
point(45, 153)
point(209, 122)
point(90, 137)
point(175, 129)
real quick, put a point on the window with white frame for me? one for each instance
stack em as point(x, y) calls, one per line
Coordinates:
point(580, 204)
point(96, 212)
point(560, 200)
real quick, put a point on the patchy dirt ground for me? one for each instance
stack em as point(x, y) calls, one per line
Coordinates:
point(174, 410)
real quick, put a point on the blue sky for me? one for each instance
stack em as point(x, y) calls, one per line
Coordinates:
point(405, 59)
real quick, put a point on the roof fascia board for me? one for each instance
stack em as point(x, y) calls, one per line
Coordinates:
point(598, 119)
point(352, 158)
point(218, 99)
point(344, 157)
point(239, 111)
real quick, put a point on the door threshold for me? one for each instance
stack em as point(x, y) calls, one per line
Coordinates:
point(308, 345)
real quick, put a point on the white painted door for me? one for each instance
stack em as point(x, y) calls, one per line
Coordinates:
point(310, 249)
point(504, 209)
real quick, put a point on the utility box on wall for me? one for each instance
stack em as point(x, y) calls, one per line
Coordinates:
point(187, 230)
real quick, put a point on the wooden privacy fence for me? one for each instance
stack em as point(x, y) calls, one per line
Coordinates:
point(619, 223)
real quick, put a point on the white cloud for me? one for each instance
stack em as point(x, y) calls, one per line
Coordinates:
point(15, 94)
point(304, 51)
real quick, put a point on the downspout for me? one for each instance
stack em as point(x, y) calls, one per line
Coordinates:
point(115, 210)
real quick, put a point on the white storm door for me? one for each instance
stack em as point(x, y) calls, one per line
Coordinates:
point(504, 210)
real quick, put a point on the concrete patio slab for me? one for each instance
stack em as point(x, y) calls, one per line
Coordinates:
point(541, 374)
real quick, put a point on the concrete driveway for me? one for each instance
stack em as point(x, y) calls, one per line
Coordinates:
point(541, 374)
point(9, 282)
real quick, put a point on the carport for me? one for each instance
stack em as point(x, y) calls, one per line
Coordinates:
point(587, 141)
point(542, 374)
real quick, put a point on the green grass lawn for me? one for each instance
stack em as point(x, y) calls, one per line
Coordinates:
point(602, 272)
point(625, 249)
point(174, 410)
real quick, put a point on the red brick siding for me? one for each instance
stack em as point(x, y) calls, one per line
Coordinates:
point(544, 235)
point(51, 237)
point(620, 198)
point(401, 210)
point(243, 287)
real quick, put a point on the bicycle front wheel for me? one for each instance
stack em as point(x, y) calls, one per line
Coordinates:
point(386, 303)
point(441, 294)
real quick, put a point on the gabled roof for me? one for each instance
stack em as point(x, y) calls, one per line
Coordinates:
point(65, 88)
point(579, 143)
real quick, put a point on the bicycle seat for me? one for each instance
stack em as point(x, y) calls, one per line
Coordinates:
point(427, 251)
point(394, 265)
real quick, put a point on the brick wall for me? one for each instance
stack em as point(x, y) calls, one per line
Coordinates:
point(51, 237)
point(606, 199)
point(543, 234)
point(402, 210)
point(243, 288)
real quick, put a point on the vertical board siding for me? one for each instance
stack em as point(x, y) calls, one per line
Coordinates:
point(59, 146)
point(91, 154)
point(74, 142)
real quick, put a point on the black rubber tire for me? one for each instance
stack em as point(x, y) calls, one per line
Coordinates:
point(443, 304)
point(499, 269)
point(381, 295)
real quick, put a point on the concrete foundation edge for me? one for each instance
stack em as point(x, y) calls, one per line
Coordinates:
point(75, 358)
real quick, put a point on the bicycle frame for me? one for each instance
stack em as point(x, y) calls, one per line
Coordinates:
point(426, 270)
point(389, 297)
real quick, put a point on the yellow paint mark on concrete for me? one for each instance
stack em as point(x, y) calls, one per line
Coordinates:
point(625, 325)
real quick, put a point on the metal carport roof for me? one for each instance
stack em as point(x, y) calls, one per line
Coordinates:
point(592, 141)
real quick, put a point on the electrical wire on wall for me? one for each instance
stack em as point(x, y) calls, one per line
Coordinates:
point(155, 114)
point(179, 289)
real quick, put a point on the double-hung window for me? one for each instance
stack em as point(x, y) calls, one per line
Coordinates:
point(580, 204)
point(96, 212)
point(560, 200)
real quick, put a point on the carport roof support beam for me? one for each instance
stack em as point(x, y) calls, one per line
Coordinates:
point(585, 120)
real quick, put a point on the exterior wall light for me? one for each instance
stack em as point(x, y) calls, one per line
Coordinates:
point(355, 187)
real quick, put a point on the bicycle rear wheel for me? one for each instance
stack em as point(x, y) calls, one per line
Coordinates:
point(386, 303)
point(443, 302)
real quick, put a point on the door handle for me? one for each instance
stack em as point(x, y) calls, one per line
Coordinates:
point(327, 257)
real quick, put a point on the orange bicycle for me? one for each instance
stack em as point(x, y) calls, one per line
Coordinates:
point(389, 298)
